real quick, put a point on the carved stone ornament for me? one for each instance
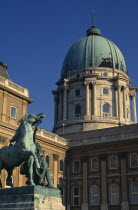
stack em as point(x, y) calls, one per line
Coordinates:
point(55, 156)
point(3, 139)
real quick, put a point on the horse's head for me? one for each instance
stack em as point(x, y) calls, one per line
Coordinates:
point(33, 119)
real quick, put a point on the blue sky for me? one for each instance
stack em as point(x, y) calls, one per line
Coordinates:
point(35, 36)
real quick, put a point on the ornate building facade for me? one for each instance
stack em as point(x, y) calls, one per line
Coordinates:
point(93, 151)
point(14, 101)
point(95, 109)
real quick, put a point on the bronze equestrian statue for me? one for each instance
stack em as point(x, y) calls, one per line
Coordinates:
point(25, 152)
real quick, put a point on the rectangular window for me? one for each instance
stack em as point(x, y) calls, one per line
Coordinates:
point(95, 200)
point(77, 92)
point(13, 113)
point(105, 91)
point(76, 201)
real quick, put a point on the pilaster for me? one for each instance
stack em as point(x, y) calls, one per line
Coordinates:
point(65, 102)
point(124, 203)
point(68, 184)
point(55, 156)
point(84, 205)
point(116, 99)
point(5, 100)
point(104, 204)
point(94, 99)
point(87, 100)
point(124, 103)
point(119, 102)
point(60, 105)
point(134, 108)
point(56, 107)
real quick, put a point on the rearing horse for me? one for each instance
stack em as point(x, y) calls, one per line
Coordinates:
point(24, 148)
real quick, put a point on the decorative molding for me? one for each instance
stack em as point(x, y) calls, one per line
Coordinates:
point(103, 156)
point(3, 139)
point(123, 155)
point(55, 156)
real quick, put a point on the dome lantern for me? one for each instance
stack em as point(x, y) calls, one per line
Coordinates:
point(93, 30)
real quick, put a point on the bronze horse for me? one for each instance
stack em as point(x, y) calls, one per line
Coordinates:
point(23, 150)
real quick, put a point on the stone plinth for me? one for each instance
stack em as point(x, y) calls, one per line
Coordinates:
point(30, 198)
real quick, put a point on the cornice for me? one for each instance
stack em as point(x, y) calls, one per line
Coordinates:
point(16, 93)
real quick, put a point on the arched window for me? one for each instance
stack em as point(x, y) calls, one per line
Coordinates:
point(133, 160)
point(113, 162)
point(62, 193)
point(76, 196)
point(134, 193)
point(61, 165)
point(94, 195)
point(94, 164)
point(77, 110)
point(48, 161)
point(13, 112)
point(106, 110)
point(114, 194)
point(76, 166)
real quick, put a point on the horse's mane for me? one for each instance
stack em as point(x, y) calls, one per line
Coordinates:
point(23, 118)
point(16, 137)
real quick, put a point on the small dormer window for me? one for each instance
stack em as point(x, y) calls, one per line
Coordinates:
point(13, 113)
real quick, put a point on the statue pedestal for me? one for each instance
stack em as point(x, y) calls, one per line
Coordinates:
point(31, 198)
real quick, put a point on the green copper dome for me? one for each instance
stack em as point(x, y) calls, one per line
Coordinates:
point(93, 51)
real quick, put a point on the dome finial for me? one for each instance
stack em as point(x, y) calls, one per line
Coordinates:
point(93, 30)
point(93, 18)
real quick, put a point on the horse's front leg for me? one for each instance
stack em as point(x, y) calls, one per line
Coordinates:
point(30, 163)
point(9, 180)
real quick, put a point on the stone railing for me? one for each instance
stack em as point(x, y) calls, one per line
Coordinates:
point(107, 117)
point(111, 137)
point(11, 85)
point(52, 137)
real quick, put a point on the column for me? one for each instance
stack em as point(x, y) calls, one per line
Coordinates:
point(65, 103)
point(124, 189)
point(104, 204)
point(68, 194)
point(60, 106)
point(119, 102)
point(85, 185)
point(87, 99)
point(94, 99)
point(124, 103)
point(56, 108)
point(55, 156)
point(134, 108)
point(116, 100)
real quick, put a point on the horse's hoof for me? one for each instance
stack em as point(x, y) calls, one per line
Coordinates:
point(30, 183)
point(50, 185)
